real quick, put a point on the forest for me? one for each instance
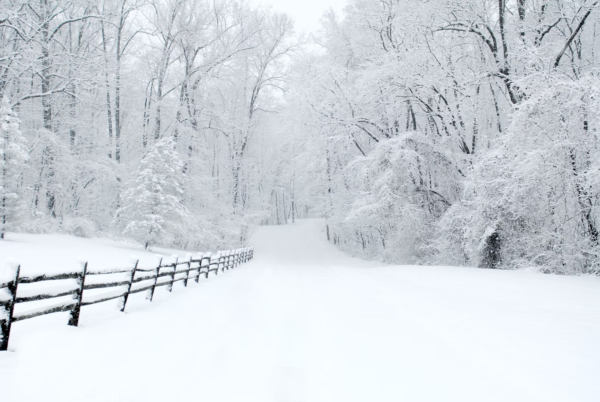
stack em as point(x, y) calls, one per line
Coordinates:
point(439, 132)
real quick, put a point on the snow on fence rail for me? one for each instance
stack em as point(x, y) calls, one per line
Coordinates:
point(203, 264)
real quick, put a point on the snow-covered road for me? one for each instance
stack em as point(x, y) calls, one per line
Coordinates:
point(304, 322)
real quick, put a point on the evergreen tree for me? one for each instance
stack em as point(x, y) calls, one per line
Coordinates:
point(151, 204)
point(13, 155)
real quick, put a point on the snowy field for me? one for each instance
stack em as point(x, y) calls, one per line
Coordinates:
point(304, 322)
point(63, 253)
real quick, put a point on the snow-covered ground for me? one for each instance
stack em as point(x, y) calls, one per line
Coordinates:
point(63, 253)
point(304, 322)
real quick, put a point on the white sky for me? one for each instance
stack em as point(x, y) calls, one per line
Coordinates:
point(305, 13)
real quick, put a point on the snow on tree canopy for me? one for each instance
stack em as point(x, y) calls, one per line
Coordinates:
point(447, 132)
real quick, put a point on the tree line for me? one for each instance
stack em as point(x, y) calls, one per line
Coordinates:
point(139, 117)
point(440, 132)
point(457, 132)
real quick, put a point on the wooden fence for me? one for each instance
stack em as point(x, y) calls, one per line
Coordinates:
point(147, 280)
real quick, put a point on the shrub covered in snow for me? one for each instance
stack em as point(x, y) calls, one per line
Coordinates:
point(151, 203)
point(13, 155)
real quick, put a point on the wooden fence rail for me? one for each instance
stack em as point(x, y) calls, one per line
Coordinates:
point(202, 264)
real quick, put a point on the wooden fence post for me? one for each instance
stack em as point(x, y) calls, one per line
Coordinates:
point(151, 293)
point(74, 319)
point(208, 257)
point(199, 267)
point(126, 295)
point(217, 261)
point(170, 289)
point(187, 275)
point(10, 309)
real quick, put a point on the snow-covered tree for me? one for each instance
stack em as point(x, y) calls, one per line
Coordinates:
point(418, 131)
point(151, 209)
point(13, 155)
point(532, 200)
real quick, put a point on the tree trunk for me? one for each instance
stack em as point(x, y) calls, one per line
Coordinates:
point(108, 102)
point(118, 94)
